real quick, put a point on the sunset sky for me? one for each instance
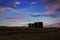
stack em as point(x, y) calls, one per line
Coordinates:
point(22, 12)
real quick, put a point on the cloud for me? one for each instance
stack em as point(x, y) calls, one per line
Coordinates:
point(17, 2)
point(33, 3)
point(58, 10)
point(44, 15)
point(50, 1)
point(52, 16)
point(15, 17)
point(35, 15)
point(8, 5)
point(17, 10)
point(14, 4)
point(3, 9)
point(13, 21)
point(55, 25)
point(28, 20)
point(53, 6)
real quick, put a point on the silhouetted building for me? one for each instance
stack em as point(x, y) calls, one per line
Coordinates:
point(40, 24)
point(36, 25)
point(31, 25)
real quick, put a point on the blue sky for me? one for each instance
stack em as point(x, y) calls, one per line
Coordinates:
point(22, 12)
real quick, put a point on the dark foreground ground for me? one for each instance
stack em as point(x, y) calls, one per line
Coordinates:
point(30, 34)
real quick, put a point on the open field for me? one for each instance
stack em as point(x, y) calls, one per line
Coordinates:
point(32, 36)
point(15, 33)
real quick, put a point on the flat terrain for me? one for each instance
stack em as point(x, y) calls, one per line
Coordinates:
point(29, 34)
point(32, 36)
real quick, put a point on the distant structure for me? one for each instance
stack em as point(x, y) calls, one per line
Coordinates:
point(36, 25)
point(31, 25)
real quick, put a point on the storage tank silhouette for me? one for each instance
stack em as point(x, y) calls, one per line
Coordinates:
point(36, 25)
point(40, 24)
point(31, 25)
